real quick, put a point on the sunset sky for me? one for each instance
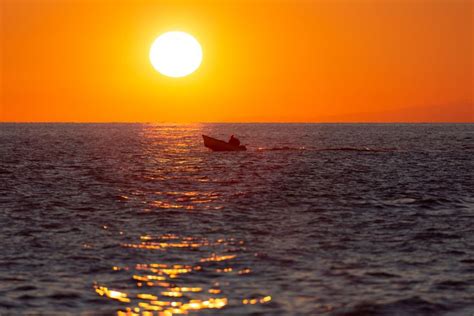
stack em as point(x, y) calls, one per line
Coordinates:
point(263, 61)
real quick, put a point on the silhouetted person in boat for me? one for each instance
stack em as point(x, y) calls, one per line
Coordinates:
point(234, 141)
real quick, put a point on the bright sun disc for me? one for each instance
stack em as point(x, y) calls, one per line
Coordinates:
point(176, 54)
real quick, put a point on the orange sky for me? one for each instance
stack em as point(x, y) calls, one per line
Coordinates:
point(280, 61)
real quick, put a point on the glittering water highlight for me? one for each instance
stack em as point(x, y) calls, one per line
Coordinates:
point(141, 219)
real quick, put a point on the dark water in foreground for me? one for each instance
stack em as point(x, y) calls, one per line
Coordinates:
point(342, 220)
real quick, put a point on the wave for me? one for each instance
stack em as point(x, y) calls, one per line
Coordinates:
point(357, 149)
point(409, 306)
point(363, 149)
point(283, 148)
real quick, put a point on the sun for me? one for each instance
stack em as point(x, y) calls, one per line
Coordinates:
point(176, 54)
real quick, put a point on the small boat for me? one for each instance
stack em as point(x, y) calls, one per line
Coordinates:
point(220, 145)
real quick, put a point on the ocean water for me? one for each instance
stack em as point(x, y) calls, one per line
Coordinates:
point(314, 219)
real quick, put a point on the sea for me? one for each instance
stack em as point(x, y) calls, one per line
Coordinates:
point(313, 219)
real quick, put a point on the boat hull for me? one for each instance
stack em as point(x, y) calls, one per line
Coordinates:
point(219, 145)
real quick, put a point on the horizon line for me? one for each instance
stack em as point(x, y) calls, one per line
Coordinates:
point(233, 122)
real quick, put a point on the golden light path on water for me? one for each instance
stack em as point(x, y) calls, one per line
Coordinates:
point(163, 289)
point(182, 274)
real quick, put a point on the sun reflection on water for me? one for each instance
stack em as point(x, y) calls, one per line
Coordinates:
point(176, 274)
point(181, 288)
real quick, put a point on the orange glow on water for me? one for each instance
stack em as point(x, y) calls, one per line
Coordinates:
point(116, 295)
point(172, 294)
point(215, 257)
point(254, 301)
point(245, 271)
point(164, 289)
